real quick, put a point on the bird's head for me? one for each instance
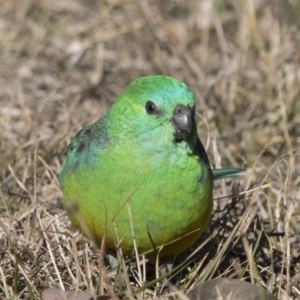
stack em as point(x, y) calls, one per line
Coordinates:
point(157, 109)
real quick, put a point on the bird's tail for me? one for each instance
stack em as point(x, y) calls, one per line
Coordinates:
point(228, 173)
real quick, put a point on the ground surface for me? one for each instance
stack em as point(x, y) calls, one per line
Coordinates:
point(63, 62)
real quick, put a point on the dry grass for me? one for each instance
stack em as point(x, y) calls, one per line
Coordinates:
point(62, 63)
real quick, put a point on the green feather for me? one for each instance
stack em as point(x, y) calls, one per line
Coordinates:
point(227, 173)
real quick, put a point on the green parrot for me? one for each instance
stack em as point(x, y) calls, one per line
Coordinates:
point(140, 174)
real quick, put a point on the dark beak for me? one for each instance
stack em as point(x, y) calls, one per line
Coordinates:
point(182, 120)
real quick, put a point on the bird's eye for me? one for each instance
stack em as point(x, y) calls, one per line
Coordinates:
point(151, 108)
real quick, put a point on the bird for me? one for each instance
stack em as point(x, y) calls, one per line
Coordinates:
point(139, 177)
